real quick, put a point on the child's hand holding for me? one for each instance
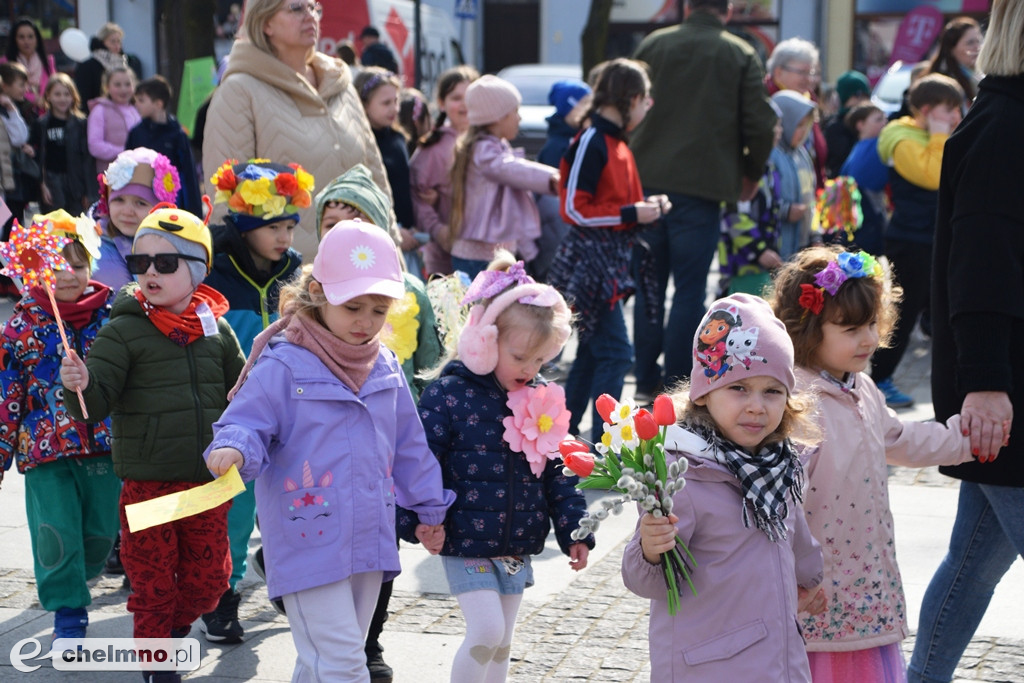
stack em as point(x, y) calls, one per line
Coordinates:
point(662, 201)
point(432, 537)
point(73, 373)
point(578, 553)
point(657, 536)
point(221, 460)
point(796, 212)
point(647, 211)
point(811, 600)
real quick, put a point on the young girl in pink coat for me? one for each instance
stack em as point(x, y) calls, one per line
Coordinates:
point(492, 204)
point(739, 514)
point(111, 117)
point(838, 307)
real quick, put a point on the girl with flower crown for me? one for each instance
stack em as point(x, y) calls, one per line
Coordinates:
point(838, 308)
point(253, 260)
point(493, 424)
point(134, 182)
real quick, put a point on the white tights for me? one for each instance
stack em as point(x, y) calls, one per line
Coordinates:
point(490, 622)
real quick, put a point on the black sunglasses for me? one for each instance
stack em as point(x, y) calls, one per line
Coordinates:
point(165, 263)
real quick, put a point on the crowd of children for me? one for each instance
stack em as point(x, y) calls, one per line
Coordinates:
point(195, 349)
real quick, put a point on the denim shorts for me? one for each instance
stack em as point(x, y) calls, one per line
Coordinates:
point(482, 573)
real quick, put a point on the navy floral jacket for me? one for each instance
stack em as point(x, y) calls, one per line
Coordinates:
point(501, 508)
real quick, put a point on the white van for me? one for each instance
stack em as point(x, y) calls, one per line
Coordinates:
point(440, 47)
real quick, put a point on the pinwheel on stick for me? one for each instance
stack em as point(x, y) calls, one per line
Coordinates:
point(32, 254)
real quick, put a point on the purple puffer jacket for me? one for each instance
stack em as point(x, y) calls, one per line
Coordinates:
point(742, 624)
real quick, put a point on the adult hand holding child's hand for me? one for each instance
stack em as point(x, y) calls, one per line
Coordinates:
point(221, 460)
point(73, 373)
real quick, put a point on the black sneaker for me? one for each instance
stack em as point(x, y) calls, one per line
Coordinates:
point(380, 672)
point(259, 568)
point(113, 564)
point(222, 625)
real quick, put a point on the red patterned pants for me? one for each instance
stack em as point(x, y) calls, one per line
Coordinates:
point(178, 570)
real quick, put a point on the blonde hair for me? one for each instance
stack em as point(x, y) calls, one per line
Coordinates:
point(798, 419)
point(541, 323)
point(299, 297)
point(857, 302)
point(257, 14)
point(65, 80)
point(108, 29)
point(460, 168)
point(1002, 52)
point(107, 75)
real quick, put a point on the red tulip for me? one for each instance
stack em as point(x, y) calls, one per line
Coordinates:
point(581, 463)
point(646, 427)
point(570, 446)
point(664, 410)
point(605, 405)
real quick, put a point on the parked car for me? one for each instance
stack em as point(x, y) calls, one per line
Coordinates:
point(888, 92)
point(534, 82)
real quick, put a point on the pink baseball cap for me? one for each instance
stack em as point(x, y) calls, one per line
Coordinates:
point(357, 258)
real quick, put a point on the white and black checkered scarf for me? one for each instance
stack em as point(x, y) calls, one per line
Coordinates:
point(765, 479)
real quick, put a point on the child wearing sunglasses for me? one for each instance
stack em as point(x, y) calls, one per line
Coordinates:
point(134, 182)
point(161, 369)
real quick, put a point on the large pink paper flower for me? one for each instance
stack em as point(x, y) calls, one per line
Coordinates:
point(538, 423)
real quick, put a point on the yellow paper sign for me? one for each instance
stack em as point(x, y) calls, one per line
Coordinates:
point(184, 503)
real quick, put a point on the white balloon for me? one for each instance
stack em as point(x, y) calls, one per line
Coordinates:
point(75, 44)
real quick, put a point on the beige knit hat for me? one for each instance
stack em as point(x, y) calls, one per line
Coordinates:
point(489, 98)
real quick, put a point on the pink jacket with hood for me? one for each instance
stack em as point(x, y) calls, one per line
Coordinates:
point(847, 508)
point(742, 624)
point(499, 207)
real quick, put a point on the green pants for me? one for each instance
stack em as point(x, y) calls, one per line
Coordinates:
point(241, 520)
point(71, 505)
point(754, 283)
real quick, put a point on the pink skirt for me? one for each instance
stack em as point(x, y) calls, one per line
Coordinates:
point(878, 665)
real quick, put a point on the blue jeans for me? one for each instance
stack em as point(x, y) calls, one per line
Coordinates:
point(600, 368)
point(683, 245)
point(470, 267)
point(988, 535)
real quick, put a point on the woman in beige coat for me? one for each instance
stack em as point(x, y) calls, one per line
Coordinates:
point(280, 99)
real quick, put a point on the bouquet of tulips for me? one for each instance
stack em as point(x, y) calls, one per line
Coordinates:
point(631, 460)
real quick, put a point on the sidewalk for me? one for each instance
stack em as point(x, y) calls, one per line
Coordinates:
point(583, 627)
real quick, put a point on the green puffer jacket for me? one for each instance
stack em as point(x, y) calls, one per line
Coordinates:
point(162, 398)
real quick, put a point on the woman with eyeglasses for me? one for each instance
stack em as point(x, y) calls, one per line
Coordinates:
point(262, 110)
point(794, 65)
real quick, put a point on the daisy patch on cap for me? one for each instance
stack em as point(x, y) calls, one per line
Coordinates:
point(362, 257)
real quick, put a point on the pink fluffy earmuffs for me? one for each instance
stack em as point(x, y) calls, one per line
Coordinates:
point(478, 342)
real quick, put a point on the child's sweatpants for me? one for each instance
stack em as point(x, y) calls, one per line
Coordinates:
point(179, 569)
point(71, 506)
point(329, 625)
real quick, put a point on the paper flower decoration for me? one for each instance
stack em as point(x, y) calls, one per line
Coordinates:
point(167, 181)
point(446, 295)
point(838, 207)
point(631, 460)
point(32, 254)
point(261, 188)
point(82, 228)
point(401, 329)
point(125, 169)
point(539, 421)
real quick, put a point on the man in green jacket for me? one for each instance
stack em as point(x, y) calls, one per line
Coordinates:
point(705, 142)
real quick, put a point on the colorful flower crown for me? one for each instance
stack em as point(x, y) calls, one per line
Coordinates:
point(166, 181)
point(261, 190)
point(846, 266)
